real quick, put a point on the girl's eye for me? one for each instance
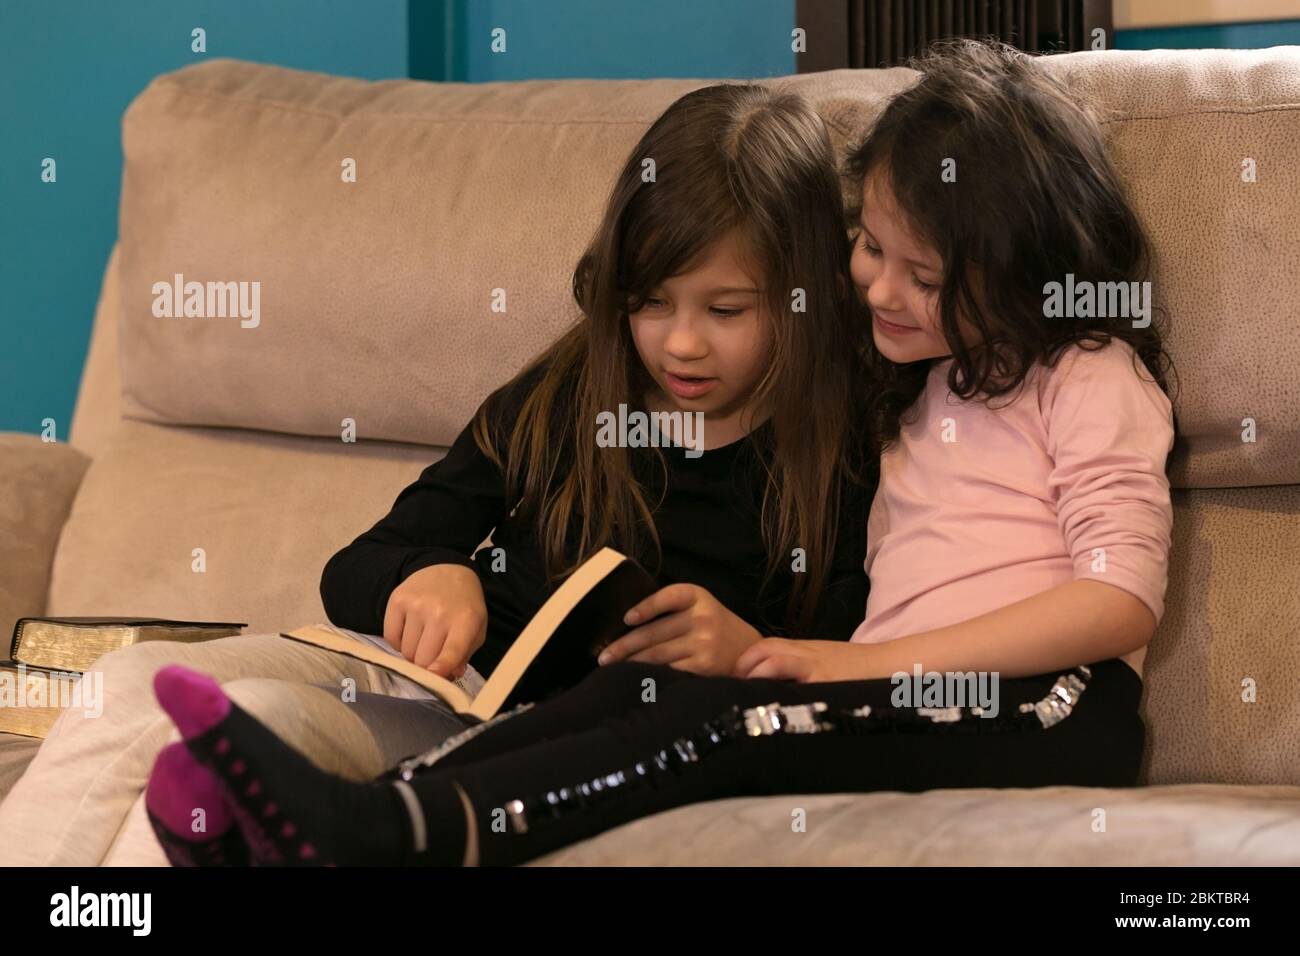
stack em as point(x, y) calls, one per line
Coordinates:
point(923, 286)
point(871, 250)
point(654, 303)
point(726, 313)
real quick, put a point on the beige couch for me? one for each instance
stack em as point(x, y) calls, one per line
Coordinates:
point(375, 307)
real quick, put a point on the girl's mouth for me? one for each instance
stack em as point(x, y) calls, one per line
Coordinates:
point(692, 387)
point(892, 329)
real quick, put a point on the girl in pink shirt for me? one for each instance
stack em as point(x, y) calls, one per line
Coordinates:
point(1023, 517)
point(1017, 543)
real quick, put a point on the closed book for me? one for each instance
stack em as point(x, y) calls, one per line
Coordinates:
point(32, 698)
point(75, 643)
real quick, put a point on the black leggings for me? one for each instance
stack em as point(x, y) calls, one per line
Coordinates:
point(566, 746)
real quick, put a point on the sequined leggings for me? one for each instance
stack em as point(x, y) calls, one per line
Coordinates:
point(602, 754)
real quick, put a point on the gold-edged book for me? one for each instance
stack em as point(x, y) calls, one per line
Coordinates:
point(556, 648)
point(75, 643)
point(32, 698)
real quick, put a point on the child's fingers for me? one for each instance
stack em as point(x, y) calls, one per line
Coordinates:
point(461, 642)
point(647, 635)
point(394, 624)
point(781, 667)
point(772, 658)
point(675, 597)
point(755, 654)
point(415, 632)
point(669, 652)
point(429, 644)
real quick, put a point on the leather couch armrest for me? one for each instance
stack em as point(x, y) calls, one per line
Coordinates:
point(38, 482)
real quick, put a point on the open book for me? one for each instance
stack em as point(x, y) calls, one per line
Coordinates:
point(564, 637)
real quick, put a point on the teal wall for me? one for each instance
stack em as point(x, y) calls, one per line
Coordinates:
point(1241, 36)
point(609, 38)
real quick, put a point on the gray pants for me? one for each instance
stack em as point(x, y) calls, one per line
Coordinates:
point(80, 802)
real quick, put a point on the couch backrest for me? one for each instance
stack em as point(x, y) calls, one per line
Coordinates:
point(376, 306)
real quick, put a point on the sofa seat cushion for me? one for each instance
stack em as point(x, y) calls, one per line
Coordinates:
point(1181, 825)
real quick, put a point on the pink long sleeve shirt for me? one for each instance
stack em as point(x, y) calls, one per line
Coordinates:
point(980, 507)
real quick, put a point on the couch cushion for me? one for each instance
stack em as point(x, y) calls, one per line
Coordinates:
point(1200, 825)
point(16, 752)
point(376, 296)
point(1227, 252)
point(99, 397)
point(40, 481)
point(1229, 634)
point(268, 511)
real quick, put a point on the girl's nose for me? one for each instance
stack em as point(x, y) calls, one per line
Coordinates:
point(883, 293)
point(684, 340)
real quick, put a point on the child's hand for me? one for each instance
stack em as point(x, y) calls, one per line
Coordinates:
point(805, 661)
point(685, 626)
point(437, 618)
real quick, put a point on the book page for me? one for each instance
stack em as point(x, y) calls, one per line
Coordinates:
point(471, 683)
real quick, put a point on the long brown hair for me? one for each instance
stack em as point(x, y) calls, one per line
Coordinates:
point(729, 156)
point(1035, 198)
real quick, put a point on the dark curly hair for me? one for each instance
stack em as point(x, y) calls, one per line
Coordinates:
point(1035, 198)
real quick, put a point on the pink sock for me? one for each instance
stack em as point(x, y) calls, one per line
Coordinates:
point(191, 817)
point(194, 701)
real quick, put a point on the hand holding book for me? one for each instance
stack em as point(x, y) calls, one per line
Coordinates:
point(685, 626)
point(555, 650)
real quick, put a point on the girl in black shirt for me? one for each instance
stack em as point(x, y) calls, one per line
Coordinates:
point(708, 521)
point(714, 291)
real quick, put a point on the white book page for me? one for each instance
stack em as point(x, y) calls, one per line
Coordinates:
point(471, 683)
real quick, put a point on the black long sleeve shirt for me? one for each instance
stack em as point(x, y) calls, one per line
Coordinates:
point(708, 525)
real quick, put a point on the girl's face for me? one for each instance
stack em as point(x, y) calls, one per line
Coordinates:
point(898, 278)
point(703, 339)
